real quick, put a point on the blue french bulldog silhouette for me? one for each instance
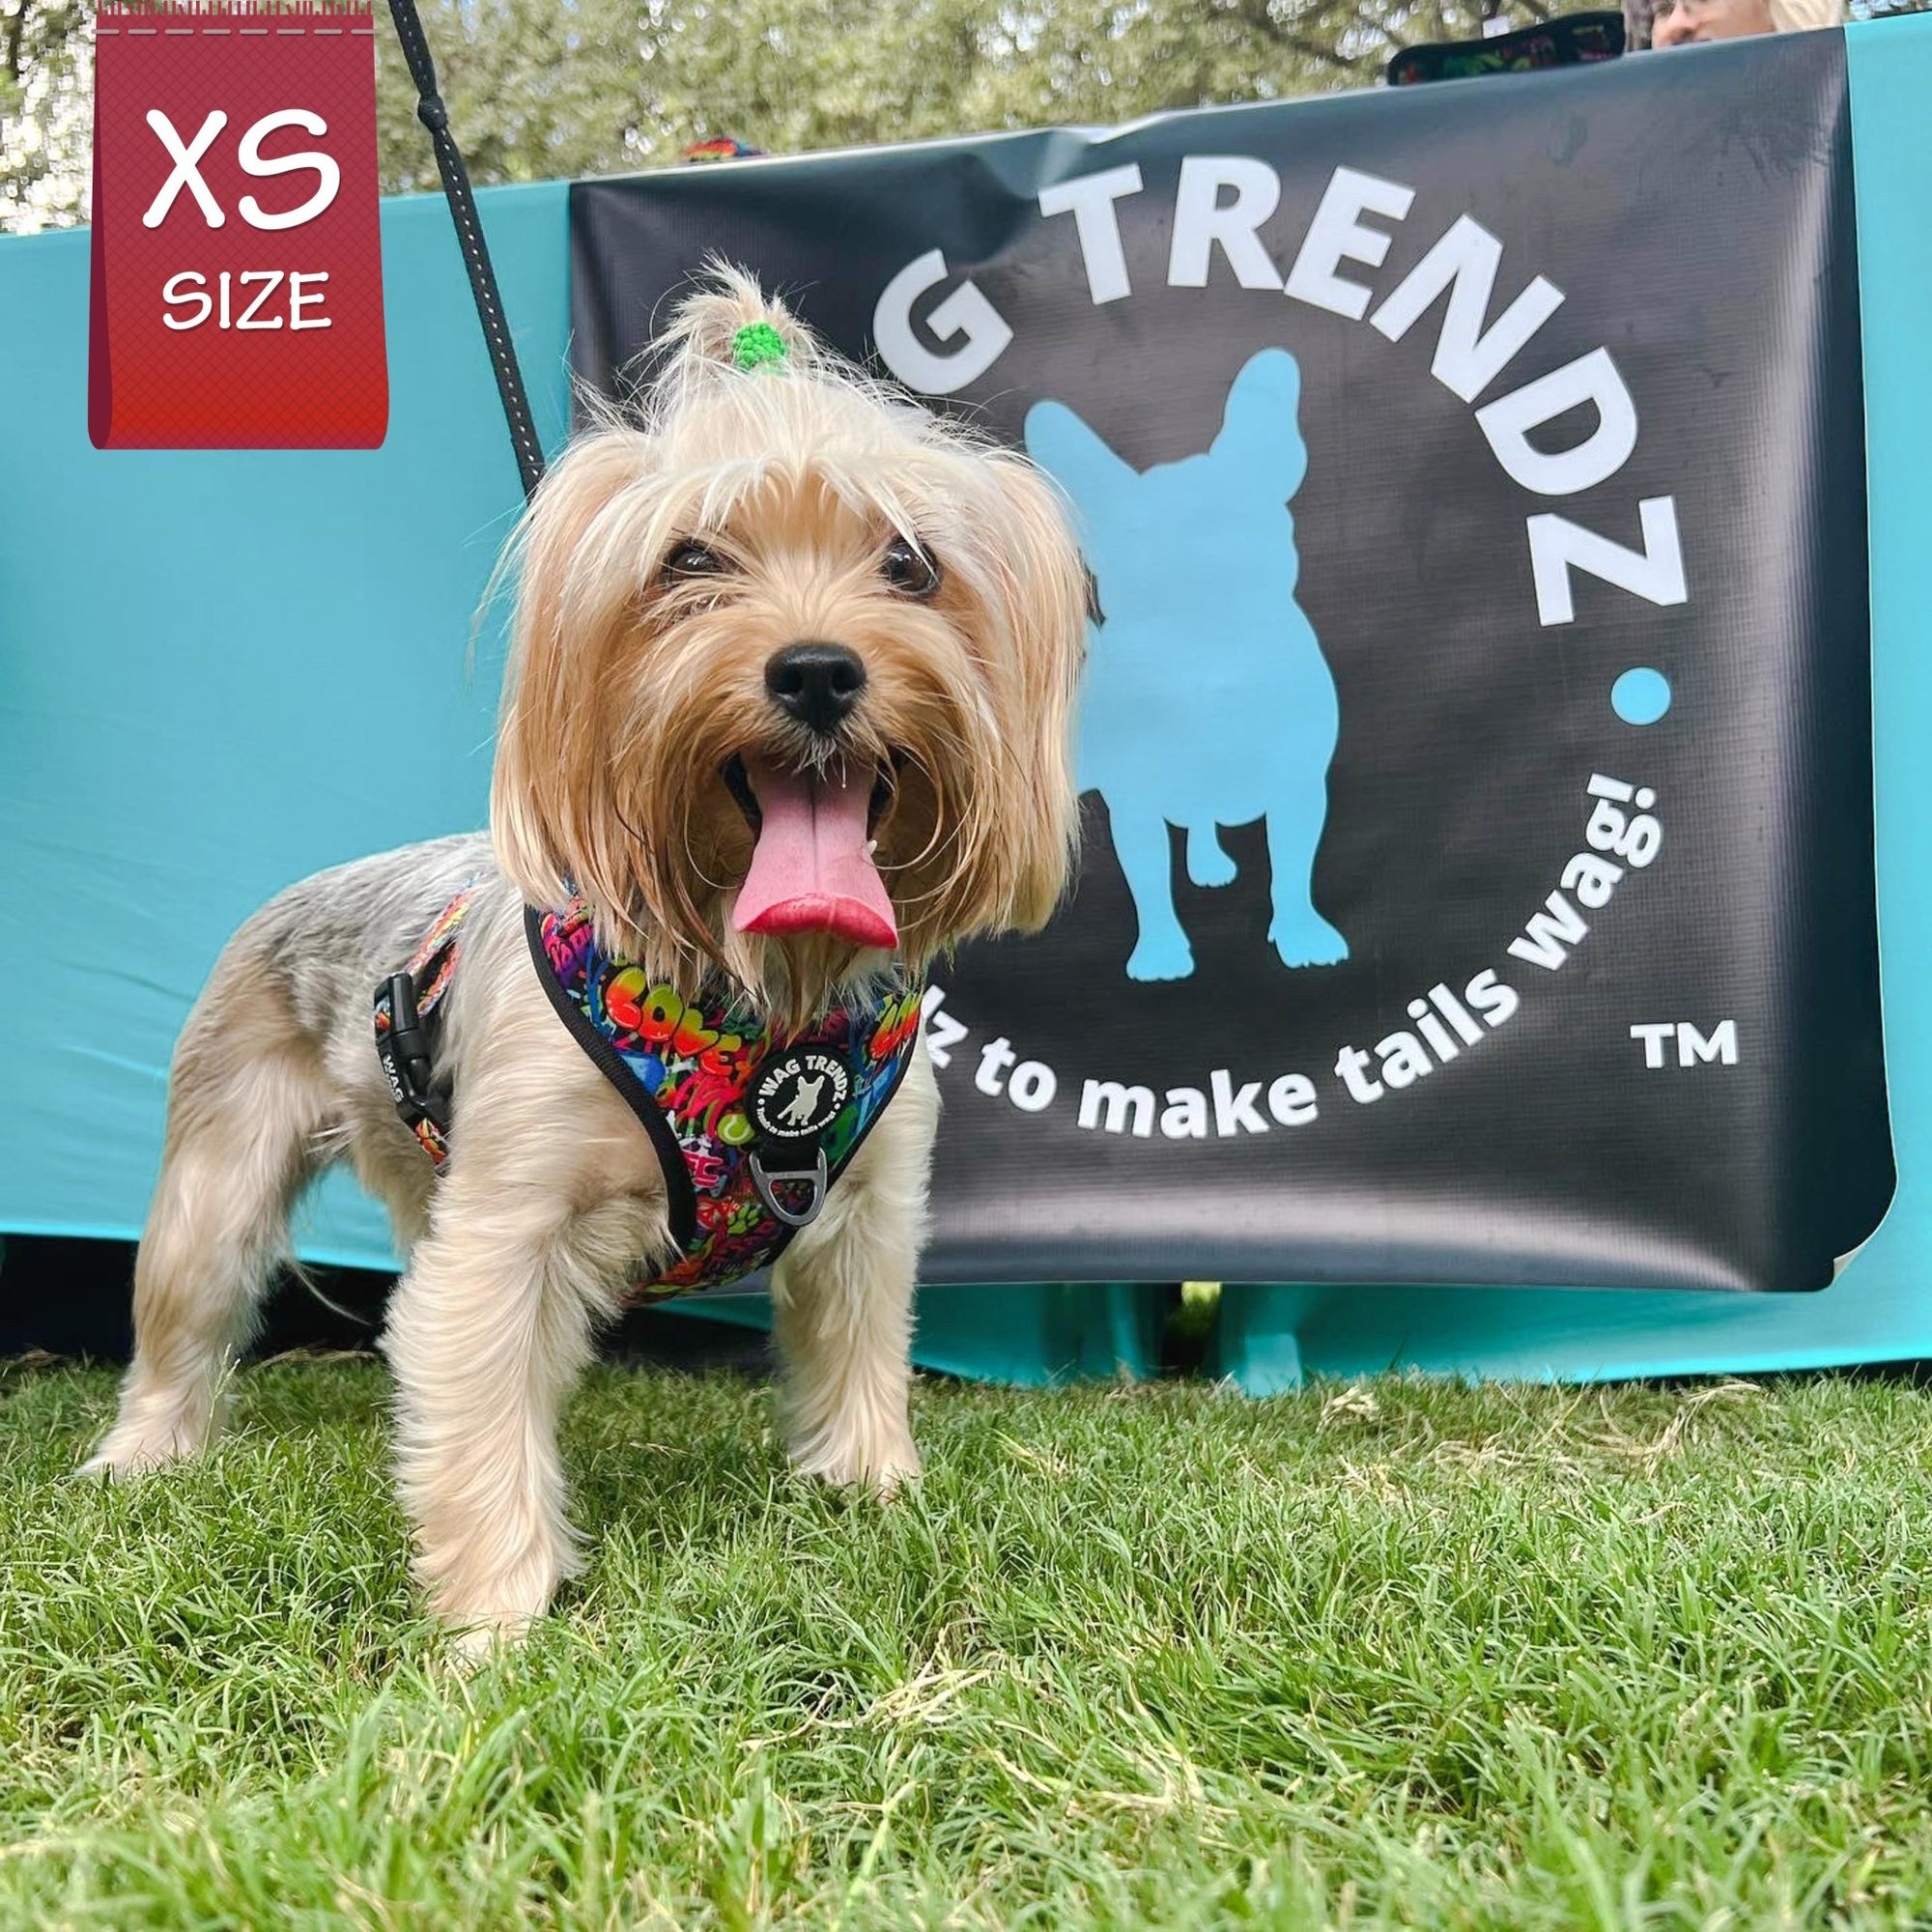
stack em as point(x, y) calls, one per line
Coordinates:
point(1207, 700)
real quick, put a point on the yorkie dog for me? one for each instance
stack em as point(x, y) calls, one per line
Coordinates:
point(787, 714)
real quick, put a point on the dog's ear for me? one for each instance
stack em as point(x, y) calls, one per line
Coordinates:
point(1044, 592)
point(1259, 430)
point(1085, 467)
point(550, 814)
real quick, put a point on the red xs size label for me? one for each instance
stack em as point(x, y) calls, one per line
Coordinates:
point(236, 295)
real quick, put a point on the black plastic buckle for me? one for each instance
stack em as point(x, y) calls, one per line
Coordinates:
point(405, 1054)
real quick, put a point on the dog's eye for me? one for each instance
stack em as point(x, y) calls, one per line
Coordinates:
point(908, 568)
point(691, 558)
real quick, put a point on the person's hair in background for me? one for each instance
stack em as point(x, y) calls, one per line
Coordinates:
point(1675, 23)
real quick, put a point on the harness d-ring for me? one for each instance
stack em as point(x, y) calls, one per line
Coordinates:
point(763, 1183)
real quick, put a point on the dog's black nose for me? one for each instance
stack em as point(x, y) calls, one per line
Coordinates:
point(818, 684)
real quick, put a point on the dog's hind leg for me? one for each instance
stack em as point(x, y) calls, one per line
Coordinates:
point(1297, 931)
point(247, 1100)
point(1207, 865)
point(1141, 844)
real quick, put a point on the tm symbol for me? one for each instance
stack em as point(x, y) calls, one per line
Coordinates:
point(1693, 1046)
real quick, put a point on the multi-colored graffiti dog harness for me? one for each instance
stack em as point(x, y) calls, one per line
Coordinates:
point(750, 1131)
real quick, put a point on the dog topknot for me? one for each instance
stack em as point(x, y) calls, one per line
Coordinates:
point(705, 327)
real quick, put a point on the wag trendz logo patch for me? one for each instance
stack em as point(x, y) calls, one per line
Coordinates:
point(799, 1095)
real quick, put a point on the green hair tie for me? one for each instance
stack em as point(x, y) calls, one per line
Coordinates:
point(756, 344)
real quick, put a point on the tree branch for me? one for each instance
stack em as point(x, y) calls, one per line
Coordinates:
point(1259, 17)
point(16, 34)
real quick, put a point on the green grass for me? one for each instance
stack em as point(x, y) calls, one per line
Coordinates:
point(1395, 1654)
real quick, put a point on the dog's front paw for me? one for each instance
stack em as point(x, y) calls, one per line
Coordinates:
point(1307, 940)
point(884, 1464)
point(490, 1605)
point(1161, 959)
point(895, 1472)
point(1207, 863)
point(138, 1445)
point(474, 1645)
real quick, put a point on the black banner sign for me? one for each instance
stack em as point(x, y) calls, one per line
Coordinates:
point(1476, 744)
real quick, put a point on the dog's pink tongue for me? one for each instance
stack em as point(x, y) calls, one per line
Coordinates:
point(812, 870)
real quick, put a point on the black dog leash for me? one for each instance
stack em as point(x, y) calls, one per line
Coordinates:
point(403, 1007)
point(434, 115)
